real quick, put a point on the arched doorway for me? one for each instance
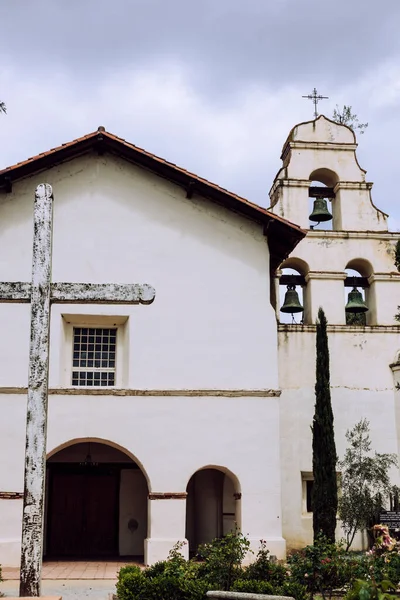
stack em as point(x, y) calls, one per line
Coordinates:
point(96, 503)
point(212, 506)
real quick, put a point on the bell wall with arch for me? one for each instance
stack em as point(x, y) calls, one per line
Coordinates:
point(325, 266)
point(345, 260)
point(364, 357)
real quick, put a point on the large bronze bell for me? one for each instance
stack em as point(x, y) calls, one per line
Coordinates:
point(320, 211)
point(355, 302)
point(291, 304)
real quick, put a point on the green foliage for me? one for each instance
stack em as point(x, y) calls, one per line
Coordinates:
point(325, 496)
point(318, 569)
point(223, 559)
point(371, 590)
point(131, 585)
point(173, 579)
point(365, 481)
point(157, 569)
point(258, 586)
point(344, 116)
point(391, 567)
point(123, 572)
point(263, 569)
point(253, 586)
point(322, 568)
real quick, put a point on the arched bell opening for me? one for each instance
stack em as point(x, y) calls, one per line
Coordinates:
point(359, 304)
point(293, 292)
point(321, 199)
point(96, 502)
point(212, 506)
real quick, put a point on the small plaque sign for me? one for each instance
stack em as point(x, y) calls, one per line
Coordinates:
point(390, 518)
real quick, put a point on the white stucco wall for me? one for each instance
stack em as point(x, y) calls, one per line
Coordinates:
point(171, 438)
point(211, 326)
point(114, 222)
point(362, 387)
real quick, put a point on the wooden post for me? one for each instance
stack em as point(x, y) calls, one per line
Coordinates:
point(36, 422)
point(41, 293)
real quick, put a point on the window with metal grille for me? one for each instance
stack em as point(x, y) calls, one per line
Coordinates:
point(93, 359)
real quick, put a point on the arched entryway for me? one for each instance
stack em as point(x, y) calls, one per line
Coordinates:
point(96, 503)
point(212, 507)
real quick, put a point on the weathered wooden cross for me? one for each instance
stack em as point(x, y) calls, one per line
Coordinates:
point(41, 293)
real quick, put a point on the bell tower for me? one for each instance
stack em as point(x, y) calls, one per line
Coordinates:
point(324, 151)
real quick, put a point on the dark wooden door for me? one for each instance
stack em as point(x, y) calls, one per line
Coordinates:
point(83, 513)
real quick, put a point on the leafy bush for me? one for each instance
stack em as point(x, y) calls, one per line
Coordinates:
point(172, 579)
point(131, 585)
point(253, 586)
point(157, 569)
point(322, 568)
point(223, 560)
point(263, 569)
point(160, 587)
point(392, 568)
point(296, 590)
point(128, 569)
point(371, 590)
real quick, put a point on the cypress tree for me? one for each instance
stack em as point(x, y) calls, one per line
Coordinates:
point(324, 495)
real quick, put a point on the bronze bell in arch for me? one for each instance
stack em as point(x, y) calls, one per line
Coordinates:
point(320, 211)
point(355, 302)
point(291, 304)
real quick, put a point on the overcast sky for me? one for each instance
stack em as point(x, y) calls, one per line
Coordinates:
point(212, 85)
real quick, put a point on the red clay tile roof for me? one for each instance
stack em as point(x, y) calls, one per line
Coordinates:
point(283, 236)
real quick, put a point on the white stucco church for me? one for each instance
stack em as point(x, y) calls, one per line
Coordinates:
point(173, 420)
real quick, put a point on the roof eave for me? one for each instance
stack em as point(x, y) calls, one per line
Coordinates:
point(283, 236)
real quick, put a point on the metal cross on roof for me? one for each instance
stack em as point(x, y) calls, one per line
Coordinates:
point(315, 97)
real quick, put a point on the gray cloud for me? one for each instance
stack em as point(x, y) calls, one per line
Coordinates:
point(226, 43)
point(213, 85)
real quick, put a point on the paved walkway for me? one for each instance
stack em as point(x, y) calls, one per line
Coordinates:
point(69, 570)
point(69, 590)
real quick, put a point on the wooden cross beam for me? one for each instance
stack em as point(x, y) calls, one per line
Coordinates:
point(41, 293)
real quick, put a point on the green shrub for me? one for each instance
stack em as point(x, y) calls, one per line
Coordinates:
point(322, 568)
point(253, 586)
point(136, 586)
point(131, 586)
point(392, 568)
point(172, 579)
point(371, 590)
point(263, 569)
point(157, 569)
point(291, 588)
point(128, 569)
point(223, 560)
point(169, 587)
